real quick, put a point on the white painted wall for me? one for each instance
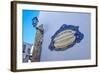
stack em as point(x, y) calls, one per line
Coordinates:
point(5, 37)
point(52, 21)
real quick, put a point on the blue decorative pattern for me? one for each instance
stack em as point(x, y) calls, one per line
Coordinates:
point(35, 21)
point(79, 36)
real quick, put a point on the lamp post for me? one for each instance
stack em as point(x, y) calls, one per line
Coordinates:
point(38, 40)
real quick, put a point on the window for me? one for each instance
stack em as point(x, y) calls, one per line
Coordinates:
point(24, 47)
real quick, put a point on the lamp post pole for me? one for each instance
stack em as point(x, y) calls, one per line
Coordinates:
point(38, 41)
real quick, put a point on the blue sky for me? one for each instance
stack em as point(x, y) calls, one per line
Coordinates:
point(28, 30)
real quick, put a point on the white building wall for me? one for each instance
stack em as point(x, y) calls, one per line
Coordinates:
point(52, 22)
point(26, 52)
